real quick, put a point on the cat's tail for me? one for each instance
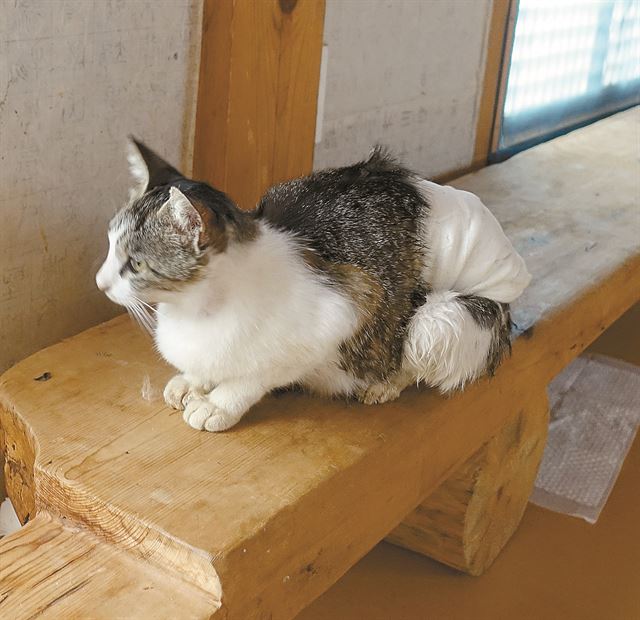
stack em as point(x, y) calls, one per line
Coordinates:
point(453, 339)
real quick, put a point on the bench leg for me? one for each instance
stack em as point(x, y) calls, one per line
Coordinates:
point(467, 521)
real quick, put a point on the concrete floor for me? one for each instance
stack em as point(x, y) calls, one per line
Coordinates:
point(554, 568)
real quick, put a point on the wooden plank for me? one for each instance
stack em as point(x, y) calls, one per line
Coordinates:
point(302, 27)
point(51, 569)
point(211, 133)
point(281, 506)
point(17, 448)
point(504, 75)
point(252, 105)
point(467, 521)
point(257, 99)
point(498, 36)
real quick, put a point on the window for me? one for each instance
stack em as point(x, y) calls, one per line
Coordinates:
point(572, 61)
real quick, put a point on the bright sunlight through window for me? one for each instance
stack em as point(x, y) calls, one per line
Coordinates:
point(572, 60)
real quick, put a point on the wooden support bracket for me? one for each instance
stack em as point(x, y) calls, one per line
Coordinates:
point(468, 520)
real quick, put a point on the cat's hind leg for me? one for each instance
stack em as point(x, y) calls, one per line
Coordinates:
point(453, 339)
point(385, 391)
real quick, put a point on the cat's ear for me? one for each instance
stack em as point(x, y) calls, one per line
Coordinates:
point(182, 214)
point(148, 169)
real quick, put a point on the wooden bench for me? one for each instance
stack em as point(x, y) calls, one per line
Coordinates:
point(130, 513)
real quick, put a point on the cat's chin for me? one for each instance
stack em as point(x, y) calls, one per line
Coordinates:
point(117, 300)
point(127, 301)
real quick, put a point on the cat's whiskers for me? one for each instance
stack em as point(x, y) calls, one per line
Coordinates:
point(141, 315)
point(132, 314)
point(149, 312)
point(148, 306)
point(148, 318)
point(136, 315)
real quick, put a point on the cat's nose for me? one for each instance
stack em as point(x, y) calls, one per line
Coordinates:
point(101, 280)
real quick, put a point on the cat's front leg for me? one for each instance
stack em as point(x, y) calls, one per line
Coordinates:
point(224, 406)
point(181, 389)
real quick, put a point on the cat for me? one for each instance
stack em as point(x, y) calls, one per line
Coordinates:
point(352, 282)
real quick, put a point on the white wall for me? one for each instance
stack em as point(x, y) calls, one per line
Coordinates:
point(75, 78)
point(405, 73)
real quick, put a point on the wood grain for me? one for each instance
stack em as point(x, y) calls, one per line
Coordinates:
point(301, 33)
point(496, 60)
point(52, 569)
point(277, 509)
point(467, 521)
point(18, 448)
point(257, 99)
point(211, 131)
point(504, 75)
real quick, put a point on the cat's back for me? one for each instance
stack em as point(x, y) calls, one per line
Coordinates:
point(344, 213)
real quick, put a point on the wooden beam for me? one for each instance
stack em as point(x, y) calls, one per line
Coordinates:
point(272, 513)
point(474, 513)
point(297, 93)
point(53, 569)
point(504, 75)
point(17, 452)
point(499, 43)
point(277, 509)
point(258, 91)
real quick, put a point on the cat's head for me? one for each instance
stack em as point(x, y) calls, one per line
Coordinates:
point(161, 241)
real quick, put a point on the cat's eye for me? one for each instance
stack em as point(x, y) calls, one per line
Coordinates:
point(136, 265)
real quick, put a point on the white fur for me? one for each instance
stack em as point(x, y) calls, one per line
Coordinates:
point(108, 278)
point(215, 331)
point(331, 380)
point(445, 347)
point(183, 214)
point(138, 170)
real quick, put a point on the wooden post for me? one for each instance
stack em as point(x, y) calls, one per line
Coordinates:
point(498, 60)
point(257, 94)
point(467, 521)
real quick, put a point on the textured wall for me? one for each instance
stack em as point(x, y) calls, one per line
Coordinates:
point(75, 78)
point(405, 73)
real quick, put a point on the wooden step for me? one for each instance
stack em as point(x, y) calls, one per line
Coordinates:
point(54, 569)
point(267, 516)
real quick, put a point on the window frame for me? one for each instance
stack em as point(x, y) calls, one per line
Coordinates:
point(587, 109)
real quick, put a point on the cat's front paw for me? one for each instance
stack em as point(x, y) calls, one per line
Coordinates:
point(178, 392)
point(202, 414)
